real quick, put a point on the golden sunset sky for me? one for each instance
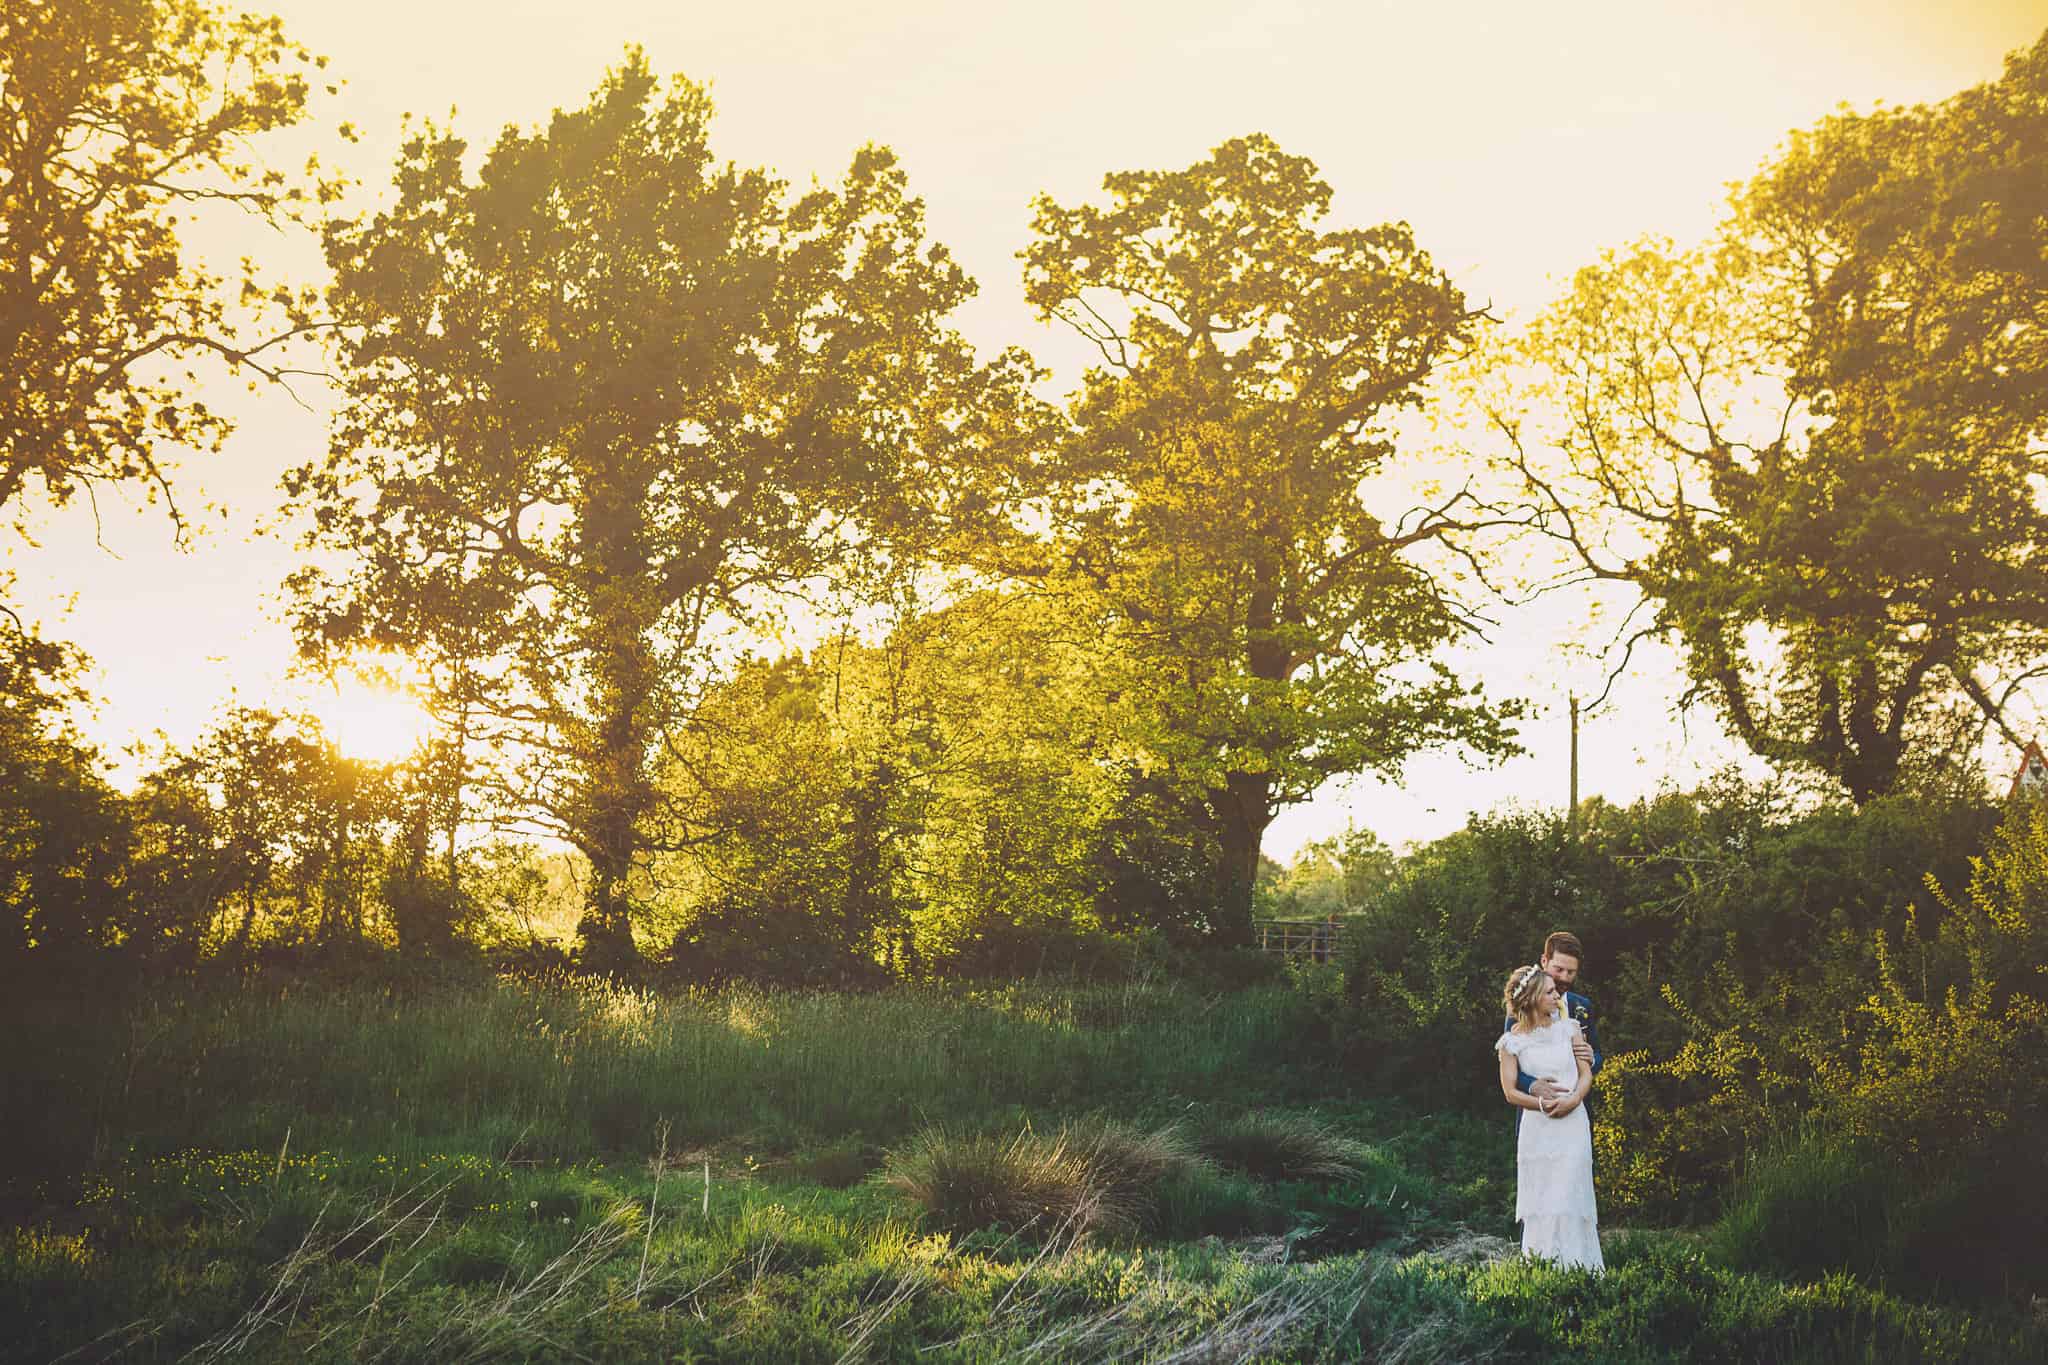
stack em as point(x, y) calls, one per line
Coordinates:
point(1518, 139)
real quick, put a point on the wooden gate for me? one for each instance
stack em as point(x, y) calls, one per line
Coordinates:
point(1314, 939)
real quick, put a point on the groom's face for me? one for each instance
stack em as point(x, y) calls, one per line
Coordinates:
point(1563, 969)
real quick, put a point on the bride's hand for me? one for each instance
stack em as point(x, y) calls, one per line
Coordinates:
point(1562, 1105)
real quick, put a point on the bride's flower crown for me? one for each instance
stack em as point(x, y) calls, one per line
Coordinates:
point(1523, 978)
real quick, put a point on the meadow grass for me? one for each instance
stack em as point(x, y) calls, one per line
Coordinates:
point(563, 1068)
point(505, 1170)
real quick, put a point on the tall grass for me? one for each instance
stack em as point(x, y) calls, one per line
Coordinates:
point(564, 1068)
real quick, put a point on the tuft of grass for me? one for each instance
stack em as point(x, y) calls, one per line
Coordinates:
point(1094, 1175)
point(474, 1257)
point(1280, 1146)
point(1127, 1159)
point(983, 1181)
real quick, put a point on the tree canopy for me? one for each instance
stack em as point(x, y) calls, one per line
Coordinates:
point(606, 401)
point(1815, 445)
point(119, 120)
point(1212, 488)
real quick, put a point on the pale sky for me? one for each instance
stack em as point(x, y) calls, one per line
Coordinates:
point(1517, 139)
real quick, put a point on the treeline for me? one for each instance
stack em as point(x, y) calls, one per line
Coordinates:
point(937, 804)
point(613, 413)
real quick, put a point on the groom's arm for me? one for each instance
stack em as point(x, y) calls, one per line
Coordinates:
point(1524, 1082)
point(1589, 1023)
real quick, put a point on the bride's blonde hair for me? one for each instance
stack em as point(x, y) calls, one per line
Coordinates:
point(1518, 1001)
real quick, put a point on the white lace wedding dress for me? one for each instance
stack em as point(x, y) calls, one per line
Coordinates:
point(1554, 1156)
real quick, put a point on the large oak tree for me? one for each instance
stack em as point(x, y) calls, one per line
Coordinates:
point(606, 399)
point(1213, 488)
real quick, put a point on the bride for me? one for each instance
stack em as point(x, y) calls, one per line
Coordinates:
point(1554, 1148)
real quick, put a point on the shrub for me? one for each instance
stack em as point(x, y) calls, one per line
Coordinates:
point(473, 1256)
point(1934, 1093)
point(771, 940)
point(1121, 1158)
point(1204, 1202)
point(1002, 946)
point(429, 911)
point(1422, 966)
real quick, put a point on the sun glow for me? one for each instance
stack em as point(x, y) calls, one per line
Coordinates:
point(372, 712)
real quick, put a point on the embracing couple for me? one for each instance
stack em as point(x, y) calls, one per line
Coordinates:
point(1548, 1054)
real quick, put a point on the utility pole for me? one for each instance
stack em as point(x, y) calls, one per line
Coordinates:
point(1571, 816)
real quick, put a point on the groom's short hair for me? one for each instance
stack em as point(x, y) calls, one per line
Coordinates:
point(1566, 943)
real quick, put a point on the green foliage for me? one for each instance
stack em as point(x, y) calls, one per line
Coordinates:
point(1336, 876)
point(1809, 1203)
point(1733, 951)
point(1823, 1201)
point(768, 940)
point(564, 1066)
point(1949, 1078)
point(936, 802)
point(1422, 965)
point(1912, 1074)
point(428, 911)
point(442, 1188)
point(638, 1268)
point(1272, 639)
point(1154, 857)
point(65, 836)
point(1812, 444)
point(265, 821)
point(127, 112)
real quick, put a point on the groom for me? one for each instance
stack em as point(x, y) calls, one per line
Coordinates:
point(1562, 954)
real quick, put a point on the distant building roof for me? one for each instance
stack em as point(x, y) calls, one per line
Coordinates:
point(2032, 778)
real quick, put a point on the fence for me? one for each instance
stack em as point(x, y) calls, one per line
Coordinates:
point(1315, 939)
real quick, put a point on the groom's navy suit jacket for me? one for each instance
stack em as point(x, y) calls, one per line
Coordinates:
point(1577, 1007)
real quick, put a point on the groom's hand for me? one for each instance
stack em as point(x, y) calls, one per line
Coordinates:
point(1582, 1049)
point(1545, 1090)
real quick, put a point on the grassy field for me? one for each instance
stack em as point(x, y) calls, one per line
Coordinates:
point(504, 1170)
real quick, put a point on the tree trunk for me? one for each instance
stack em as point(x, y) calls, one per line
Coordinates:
point(616, 791)
point(1243, 810)
point(1870, 773)
point(618, 797)
point(1245, 807)
point(247, 929)
point(606, 929)
point(869, 912)
point(457, 779)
